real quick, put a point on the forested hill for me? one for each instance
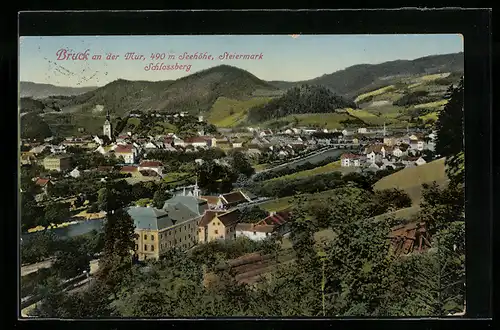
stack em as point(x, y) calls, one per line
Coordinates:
point(357, 79)
point(194, 93)
point(299, 100)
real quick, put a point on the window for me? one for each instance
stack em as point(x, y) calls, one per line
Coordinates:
point(189, 235)
point(152, 238)
point(169, 233)
point(199, 230)
point(161, 236)
point(255, 233)
point(145, 247)
point(145, 236)
point(152, 247)
point(216, 232)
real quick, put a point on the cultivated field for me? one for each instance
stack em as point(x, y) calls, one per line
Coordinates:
point(411, 179)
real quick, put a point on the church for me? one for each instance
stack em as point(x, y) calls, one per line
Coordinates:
point(107, 128)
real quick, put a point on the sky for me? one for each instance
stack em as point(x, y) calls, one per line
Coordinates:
point(284, 57)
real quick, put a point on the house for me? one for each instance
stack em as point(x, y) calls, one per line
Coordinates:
point(198, 142)
point(58, 162)
point(397, 152)
point(45, 184)
point(150, 145)
point(151, 165)
point(38, 149)
point(377, 152)
point(58, 149)
point(218, 226)
point(277, 223)
point(75, 173)
point(348, 160)
point(214, 202)
point(128, 152)
point(233, 198)
point(27, 158)
point(417, 145)
point(420, 161)
point(390, 141)
point(362, 130)
point(266, 132)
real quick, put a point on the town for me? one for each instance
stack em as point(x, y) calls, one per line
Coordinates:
point(221, 194)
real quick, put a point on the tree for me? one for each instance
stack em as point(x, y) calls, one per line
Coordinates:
point(159, 198)
point(240, 163)
point(30, 212)
point(56, 213)
point(449, 126)
point(119, 238)
point(71, 260)
point(252, 214)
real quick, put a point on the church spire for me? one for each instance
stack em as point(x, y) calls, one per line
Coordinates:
point(196, 190)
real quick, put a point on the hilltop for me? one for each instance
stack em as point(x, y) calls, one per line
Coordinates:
point(361, 78)
point(194, 93)
point(39, 91)
point(299, 100)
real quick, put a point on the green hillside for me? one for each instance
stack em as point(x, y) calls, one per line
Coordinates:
point(305, 99)
point(411, 179)
point(227, 112)
point(359, 79)
point(194, 93)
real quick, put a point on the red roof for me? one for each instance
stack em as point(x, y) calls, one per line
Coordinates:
point(277, 219)
point(42, 182)
point(150, 163)
point(128, 169)
point(124, 149)
point(350, 156)
point(196, 139)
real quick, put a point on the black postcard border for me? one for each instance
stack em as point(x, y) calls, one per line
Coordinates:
point(474, 25)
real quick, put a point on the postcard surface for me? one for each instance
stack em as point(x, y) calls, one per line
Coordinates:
point(241, 175)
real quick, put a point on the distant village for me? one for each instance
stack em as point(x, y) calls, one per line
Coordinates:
point(190, 217)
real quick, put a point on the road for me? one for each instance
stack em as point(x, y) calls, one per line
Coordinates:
point(28, 269)
point(94, 266)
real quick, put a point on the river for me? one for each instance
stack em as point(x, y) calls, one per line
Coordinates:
point(77, 229)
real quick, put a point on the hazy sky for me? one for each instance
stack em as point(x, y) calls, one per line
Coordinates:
point(284, 57)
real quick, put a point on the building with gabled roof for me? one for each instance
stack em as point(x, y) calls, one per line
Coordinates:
point(277, 223)
point(218, 225)
point(233, 198)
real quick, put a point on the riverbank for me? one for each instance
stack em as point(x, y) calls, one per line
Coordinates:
point(79, 218)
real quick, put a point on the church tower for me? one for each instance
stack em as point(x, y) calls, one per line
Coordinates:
point(107, 126)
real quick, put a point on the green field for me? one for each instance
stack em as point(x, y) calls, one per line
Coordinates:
point(323, 120)
point(279, 204)
point(430, 116)
point(227, 112)
point(375, 92)
point(333, 166)
point(437, 104)
point(411, 179)
point(260, 167)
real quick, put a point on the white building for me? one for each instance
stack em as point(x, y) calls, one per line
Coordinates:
point(350, 160)
point(75, 173)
